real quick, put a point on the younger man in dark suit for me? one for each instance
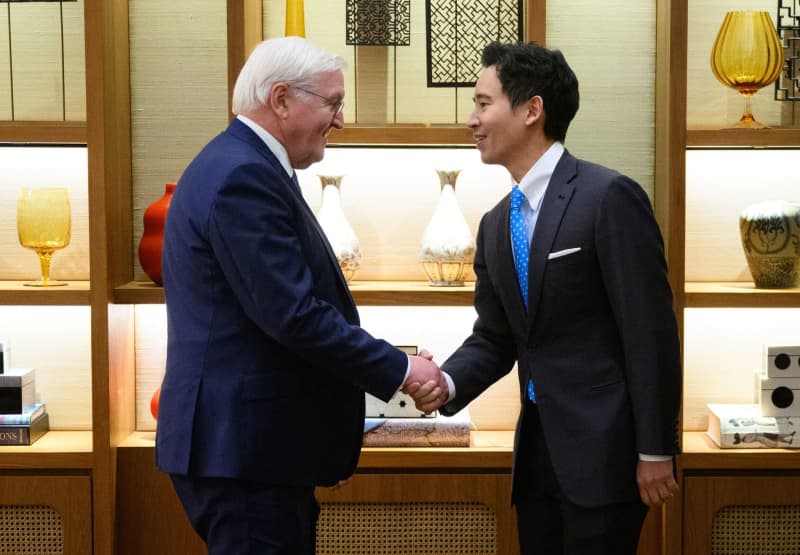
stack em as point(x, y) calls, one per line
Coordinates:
point(572, 285)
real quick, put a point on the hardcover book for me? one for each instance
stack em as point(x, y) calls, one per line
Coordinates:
point(28, 414)
point(24, 434)
point(742, 427)
point(441, 431)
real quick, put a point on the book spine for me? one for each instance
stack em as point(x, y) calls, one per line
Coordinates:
point(15, 435)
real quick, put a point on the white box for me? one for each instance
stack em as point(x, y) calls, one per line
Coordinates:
point(734, 426)
point(782, 362)
point(17, 390)
point(399, 406)
point(5, 356)
point(779, 396)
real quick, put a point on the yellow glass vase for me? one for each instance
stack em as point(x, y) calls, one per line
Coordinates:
point(295, 19)
point(747, 55)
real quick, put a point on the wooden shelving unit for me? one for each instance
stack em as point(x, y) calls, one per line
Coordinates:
point(773, 137)
point(44, 132)
point(365, 293)
point(16, 293)
point(738, 294)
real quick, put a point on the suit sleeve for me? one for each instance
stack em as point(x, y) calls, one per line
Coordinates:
point(489, 352)
point(253, 230)
point(631, 255)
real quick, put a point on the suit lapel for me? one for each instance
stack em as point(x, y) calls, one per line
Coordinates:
point(246, 134)
point(556, 198)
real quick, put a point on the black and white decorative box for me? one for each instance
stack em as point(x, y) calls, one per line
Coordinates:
point(782, 362)
point(17, 390)
point(779, 396)
point(5, 356)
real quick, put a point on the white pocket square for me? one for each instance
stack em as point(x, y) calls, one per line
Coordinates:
point(565, 252)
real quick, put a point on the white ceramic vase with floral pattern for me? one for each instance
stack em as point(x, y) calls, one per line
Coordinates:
point(338, 230)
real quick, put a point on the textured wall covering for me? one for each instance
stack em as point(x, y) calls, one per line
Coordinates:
point(42, 61)
point(612, 51)
point(178, 92)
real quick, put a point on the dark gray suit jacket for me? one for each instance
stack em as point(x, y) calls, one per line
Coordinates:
point(599, 338)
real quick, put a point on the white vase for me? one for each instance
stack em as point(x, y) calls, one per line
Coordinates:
point(337, 229)
point(447, 247)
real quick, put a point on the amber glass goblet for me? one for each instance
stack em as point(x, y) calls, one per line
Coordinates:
point(44, 224)
point(747, 55)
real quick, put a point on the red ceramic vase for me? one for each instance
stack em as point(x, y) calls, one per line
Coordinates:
point(152, 240)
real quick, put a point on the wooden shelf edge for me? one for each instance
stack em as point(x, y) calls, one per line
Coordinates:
point(744, 138)
point(737, 294)
point(489, 450)
point(402, 135)
point(43, 132)
point(15, 293)
point(701, 453)
point(55, 449)
point(365, 293)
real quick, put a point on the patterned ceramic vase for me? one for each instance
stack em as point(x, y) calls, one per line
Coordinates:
point(447, 247)
point(152, 240)
point(771, 240)
point(337, 229)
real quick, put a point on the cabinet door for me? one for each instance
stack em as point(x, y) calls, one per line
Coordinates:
point(45, 514)
point(754, 513)
point(424, 513)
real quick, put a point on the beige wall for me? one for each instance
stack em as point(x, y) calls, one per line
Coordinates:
point(45, 65)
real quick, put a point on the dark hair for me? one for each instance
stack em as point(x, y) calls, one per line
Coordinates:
point(526, 70)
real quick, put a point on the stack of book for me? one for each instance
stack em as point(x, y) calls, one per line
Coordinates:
point(25, 427)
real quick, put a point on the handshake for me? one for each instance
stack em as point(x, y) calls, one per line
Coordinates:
point(426, 383)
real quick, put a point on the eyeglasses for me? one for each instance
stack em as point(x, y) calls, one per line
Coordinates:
point(336, 106)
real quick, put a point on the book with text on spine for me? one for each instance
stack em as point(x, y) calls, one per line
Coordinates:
point(24, 434)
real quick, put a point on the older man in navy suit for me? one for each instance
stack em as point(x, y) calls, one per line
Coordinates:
point(263, 397)
point(572, 286)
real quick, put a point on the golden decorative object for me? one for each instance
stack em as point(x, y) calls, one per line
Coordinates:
point(295, 19)
point(44, 224)
point(747, 55)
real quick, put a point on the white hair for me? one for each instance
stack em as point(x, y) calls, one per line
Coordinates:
point(291, 60)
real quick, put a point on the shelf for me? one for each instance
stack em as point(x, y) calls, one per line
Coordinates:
point(14, 292)
point(55, 449)
point(365, 293)
point(402, 135)
point(738, 294)
point(43, 132)
point(410, 293)
point(744, 138)
point(489, 449)
point(700, 452)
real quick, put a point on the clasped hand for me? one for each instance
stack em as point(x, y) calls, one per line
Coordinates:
point(425, 383)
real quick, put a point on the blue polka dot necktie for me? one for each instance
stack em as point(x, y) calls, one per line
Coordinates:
point(519, 242)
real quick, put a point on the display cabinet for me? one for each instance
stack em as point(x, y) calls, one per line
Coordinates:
point(101, 469)
point(715, 173)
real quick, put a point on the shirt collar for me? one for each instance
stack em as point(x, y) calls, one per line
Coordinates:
point(534, 183)
point(272, 143)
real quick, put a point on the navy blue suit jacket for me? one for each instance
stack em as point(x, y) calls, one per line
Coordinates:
point(266, 362)
point(599, 337)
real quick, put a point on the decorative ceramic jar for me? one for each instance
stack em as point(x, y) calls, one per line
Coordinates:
point(151, 243)
point(447, 247)
point(337, 229)
point(771, 240)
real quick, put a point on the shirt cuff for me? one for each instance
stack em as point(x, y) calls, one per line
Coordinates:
point(408, 371)
point(654, 458)
point(451, 387)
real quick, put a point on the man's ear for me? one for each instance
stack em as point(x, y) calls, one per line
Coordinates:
point(278, 100)
point(534, 110)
